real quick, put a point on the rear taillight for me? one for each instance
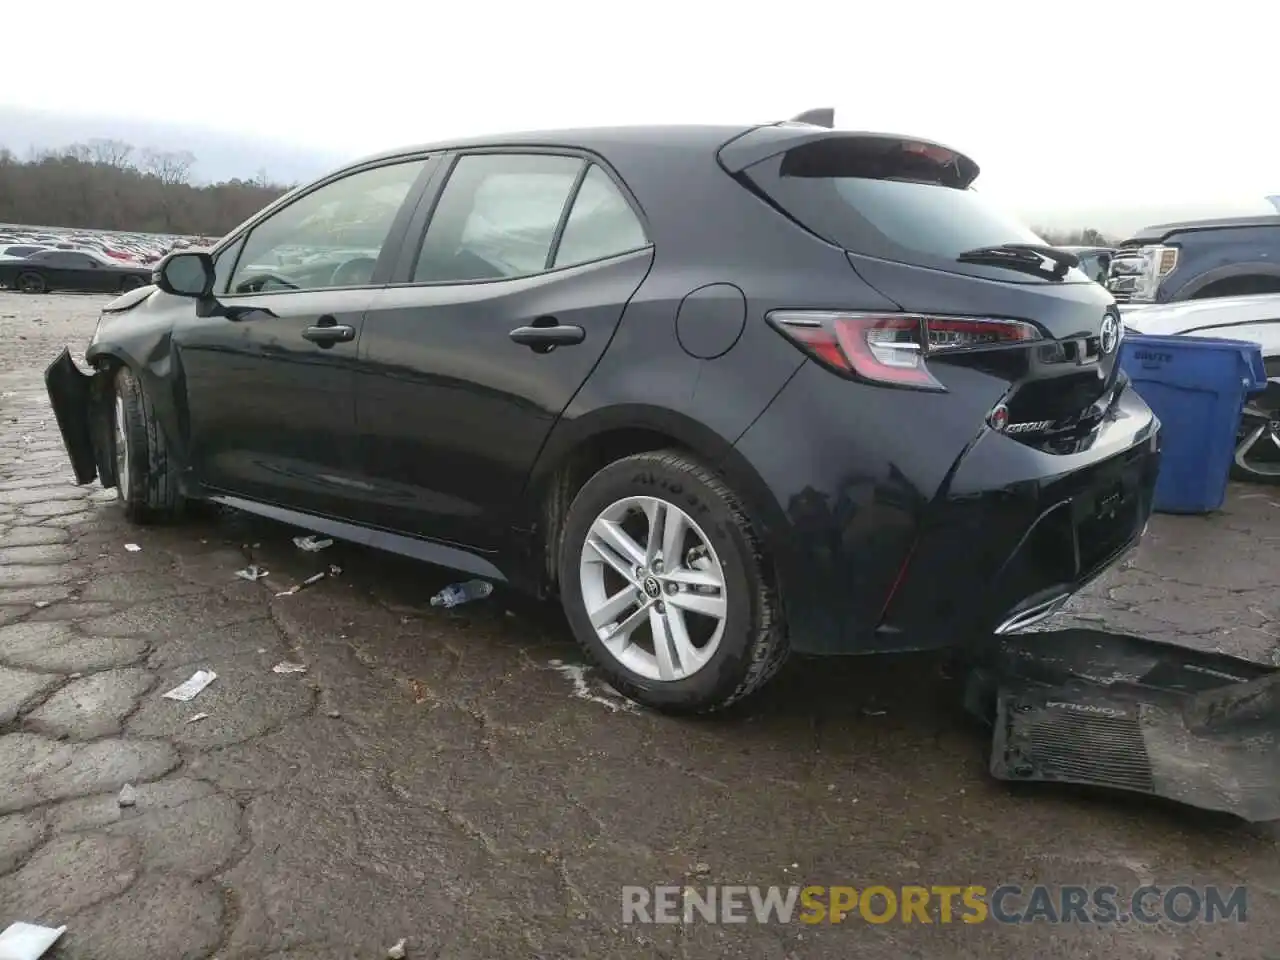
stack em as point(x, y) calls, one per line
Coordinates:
point(893, 348)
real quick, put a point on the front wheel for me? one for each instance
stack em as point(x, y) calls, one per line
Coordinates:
point(32, 283)
point(666, 586)
point(146, 476)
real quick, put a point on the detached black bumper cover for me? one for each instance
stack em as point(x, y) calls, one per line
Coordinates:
point(71, 398)
point(1125, 713)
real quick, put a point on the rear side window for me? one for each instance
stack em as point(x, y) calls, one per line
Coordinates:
point(870, 196)
point(497, 217)
point(601, 223)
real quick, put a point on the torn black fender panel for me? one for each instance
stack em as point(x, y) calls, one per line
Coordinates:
point(71, 396)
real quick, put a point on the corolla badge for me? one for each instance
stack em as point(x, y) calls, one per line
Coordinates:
point(1109, 335)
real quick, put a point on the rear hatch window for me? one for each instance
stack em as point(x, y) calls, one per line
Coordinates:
point(896, 200)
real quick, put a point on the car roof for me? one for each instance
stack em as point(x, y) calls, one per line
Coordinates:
point(601, 140)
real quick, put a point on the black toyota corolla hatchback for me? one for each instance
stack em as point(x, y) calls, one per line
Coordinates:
point(726, 391)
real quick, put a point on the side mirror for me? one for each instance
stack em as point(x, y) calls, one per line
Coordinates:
point(185, 274)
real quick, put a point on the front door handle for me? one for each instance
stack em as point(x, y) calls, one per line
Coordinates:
point(544, 336)
point(327, 331)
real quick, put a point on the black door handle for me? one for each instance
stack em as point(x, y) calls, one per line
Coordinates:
point(546, 334)
point(327, 331)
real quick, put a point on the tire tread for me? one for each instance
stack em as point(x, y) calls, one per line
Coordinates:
point(154, 494)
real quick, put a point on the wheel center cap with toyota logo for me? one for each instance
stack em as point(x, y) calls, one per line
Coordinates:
point(1109, 335)
point(652, 587)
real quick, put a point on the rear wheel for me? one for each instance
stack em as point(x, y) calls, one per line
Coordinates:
point(145, 474)
point(31, 283)
point(666, 588)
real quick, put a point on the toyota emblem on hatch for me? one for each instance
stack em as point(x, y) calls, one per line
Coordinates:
point(1109, 335)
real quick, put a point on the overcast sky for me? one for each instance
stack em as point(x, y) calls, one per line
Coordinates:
point(1071, 109)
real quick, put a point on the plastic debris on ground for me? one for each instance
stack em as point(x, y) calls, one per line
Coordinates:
point(132, 547)
point(128, 796)
point(316, 578)
point(287, 667)
point(251, 573)
point(188, 690)
point(28, 941)
point(398, 952)
point(457, 594)
point(198, 717)
point(312, 543)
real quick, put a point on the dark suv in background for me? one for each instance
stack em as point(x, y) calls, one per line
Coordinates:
point(726, 391)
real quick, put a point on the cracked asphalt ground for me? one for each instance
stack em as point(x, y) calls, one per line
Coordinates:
point(451, 777)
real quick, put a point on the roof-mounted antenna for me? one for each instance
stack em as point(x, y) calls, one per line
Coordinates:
point(820, 117)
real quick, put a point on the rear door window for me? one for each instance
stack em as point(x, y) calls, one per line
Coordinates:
point(879, 198)
point(601, 223)
point(497, 217)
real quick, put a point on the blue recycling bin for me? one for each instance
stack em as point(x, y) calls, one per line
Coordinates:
point(1197, 386)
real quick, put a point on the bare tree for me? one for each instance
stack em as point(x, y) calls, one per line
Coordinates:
point(96, 185)
point(78, 152)
point(169, 167)
point(111, 153)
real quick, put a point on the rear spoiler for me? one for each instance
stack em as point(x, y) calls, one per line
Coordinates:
point(762, 143)
point(821, 117)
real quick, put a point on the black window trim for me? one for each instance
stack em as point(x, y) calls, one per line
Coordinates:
point(390, 248)
point(403, 276)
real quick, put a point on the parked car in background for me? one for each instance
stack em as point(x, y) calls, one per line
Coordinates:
point(19, 251)
point(1254, 318)
point(1095, 262)
point(80, 271)
point(727, 391)
point(1198, 259)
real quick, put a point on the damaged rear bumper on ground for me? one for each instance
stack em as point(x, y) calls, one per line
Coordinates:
point(72, 396)
point(1097, 709)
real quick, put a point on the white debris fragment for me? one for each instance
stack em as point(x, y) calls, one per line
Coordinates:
point(398, 952)
point(190, 689)
point(286, 667)
point(28, 941)
point(335, 570)
point(198, 717)
point(576, 674)
point(132, 547)
point(312, 543)
point(41, 604)
point(315, 578)
point(128, 796)
point(252, 573)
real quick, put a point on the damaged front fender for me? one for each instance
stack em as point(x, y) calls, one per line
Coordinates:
point(73, 398)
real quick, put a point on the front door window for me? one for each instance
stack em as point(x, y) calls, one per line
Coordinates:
point(331, 237)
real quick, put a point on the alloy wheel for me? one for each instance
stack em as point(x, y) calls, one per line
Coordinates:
point(653, 588)
point(1258, 452)
point(122, 451)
